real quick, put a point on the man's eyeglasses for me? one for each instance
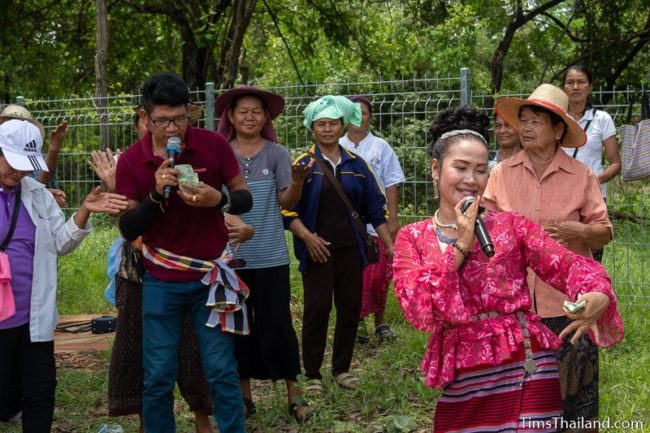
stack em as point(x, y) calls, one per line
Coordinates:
point(179, 121)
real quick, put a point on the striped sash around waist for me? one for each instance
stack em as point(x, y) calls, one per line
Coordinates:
point(227, 291)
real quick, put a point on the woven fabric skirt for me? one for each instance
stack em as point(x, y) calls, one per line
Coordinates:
point(125, 374)
point(502, 398)
point(578, 366)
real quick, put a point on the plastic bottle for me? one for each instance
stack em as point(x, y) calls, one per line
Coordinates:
point(110, 428)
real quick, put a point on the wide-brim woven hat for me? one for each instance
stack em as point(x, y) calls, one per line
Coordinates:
point(553, 99)
point(19, 112)
point(273, 102)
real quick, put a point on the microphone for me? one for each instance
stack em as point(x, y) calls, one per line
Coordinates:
point(173, 150)
point(479, 229)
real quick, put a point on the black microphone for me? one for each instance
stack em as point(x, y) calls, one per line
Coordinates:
point(479, 229)
point(173, 150)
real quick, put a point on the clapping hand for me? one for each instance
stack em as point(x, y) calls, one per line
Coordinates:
point(106, 202)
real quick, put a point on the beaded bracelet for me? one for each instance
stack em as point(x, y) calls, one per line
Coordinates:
point(464, 252)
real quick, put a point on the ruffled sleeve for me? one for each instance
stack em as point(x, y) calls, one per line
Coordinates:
point(426, 283)
point(571, 274)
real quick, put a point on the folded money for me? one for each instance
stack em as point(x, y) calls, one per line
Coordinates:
point(187, 175)
point(574, 307)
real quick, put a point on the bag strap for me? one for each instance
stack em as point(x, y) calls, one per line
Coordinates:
point(341, 192)
point(14, 219)
point(593, 113)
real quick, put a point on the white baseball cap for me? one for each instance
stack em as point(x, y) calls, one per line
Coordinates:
point(21, 145)
point(19, 112)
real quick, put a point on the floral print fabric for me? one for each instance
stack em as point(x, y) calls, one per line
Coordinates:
point(442, 301)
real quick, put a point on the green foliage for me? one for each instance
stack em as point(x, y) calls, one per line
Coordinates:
point(48, 48)
point(391, 396)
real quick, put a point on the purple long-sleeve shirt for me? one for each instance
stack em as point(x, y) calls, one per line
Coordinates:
point(21, 256)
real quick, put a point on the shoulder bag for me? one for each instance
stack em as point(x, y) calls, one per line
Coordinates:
point(635, 141)
point(7, 301)
point(372, 248)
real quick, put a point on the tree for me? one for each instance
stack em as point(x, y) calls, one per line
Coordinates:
point(208, 30)
point(101, 82)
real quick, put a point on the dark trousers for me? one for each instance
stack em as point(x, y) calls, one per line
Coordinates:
point(34, 363)
point(271, 350)
point(340, 277)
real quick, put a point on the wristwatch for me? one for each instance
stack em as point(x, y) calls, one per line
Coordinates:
point(224, 204)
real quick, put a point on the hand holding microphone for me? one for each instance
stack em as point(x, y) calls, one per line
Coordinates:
point(173, 150)
point(479, 228)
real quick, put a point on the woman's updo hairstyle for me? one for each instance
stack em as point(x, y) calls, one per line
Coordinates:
point(475, 123)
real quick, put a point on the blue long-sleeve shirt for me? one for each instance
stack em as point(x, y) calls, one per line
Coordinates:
point(362, 187)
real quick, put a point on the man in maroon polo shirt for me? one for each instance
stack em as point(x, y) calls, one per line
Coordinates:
point(190, 224)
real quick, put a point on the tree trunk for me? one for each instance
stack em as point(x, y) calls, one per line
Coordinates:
point(242, 12)
point(517, 21)
point(101, 85)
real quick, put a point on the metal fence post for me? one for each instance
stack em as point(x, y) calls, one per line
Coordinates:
point(20, 100)
point(209, 106)
point(465, 86)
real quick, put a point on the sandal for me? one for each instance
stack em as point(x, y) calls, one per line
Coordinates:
point(294, 409)
point(362, 334)
point(249, 407)
point(384, 333)
point(346, 381)
point(314, 386)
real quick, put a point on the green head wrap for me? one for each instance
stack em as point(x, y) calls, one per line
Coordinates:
point(333, 107)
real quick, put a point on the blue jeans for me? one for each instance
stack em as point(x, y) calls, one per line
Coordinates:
point(163, 305)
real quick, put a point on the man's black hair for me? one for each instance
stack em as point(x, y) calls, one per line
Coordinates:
point(164, 89)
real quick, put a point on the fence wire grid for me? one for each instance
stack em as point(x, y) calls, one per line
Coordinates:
point(402, 113)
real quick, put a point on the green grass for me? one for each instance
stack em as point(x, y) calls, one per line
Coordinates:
point(391, 384)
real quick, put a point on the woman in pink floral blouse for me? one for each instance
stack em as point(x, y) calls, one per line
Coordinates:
point(492, 357)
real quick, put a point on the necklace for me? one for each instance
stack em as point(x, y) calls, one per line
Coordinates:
point(452, 226)
point(248, 150)
point(154, 149)
point(444, 239)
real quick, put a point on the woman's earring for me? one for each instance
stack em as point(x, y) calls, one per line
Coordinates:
point(436, 190)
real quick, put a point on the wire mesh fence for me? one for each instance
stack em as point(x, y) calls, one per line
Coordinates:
point(402, 113)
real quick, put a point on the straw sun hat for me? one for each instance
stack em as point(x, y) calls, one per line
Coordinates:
point(19, 112)
point(551, 98)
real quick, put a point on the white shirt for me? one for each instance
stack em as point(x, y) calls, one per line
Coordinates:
point(382, 160)
point(591, 154)
point(54, 237)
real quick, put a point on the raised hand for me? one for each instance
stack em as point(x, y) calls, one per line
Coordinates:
point(299, 171)
point(57, 136)
point(465, 223)
point(104, 164)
